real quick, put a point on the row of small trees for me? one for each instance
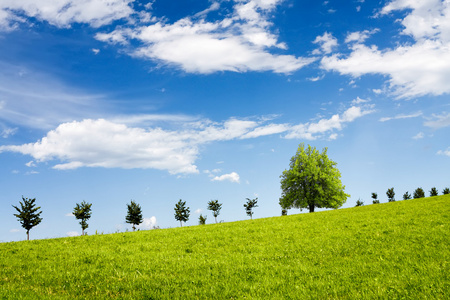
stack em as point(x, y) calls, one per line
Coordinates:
point(29, 215)
point(418, 193)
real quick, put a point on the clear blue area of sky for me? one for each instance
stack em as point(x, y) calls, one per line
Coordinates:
point(156, 101)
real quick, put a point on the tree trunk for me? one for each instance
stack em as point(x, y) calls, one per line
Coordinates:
point(82, 231)
point(134, 227)
point(28, 235)
point(311, 208)
point(216, 219)
point(181, 224)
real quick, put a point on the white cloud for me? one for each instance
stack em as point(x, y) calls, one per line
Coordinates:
point(14, 230)
point(72, 233)
point(327, 42)
point(198, 211)
point(7, 132)
point(312, 131)
point(233, 177)
point(147, 223)
point(444, 152)
point(69, 215)
point(414, 69)
point(111, 144)
point(359, 101)
point(63, 13)
point(439, 121)
point(240, 42)
point(30, 164)
point(96, 51)
point(419, 136)
point(401, 116)
point(359, 36)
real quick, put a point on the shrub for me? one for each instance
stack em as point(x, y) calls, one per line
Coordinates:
point(419, 193)
point(433, 192)
point(406, 196)
point(359, 202)
point(446, 191)
point(374, 197)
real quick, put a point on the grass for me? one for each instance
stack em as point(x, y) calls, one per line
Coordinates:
point(391, 251)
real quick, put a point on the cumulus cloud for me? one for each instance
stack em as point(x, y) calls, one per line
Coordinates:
point(110, 144)
point(444, 152)
point(414, 69)
point(233, 177)
point(240, 42)
point(72, 233)
point(63, 13)
point(147, 223)
point(327, 42)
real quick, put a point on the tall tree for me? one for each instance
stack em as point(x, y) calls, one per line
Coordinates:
point(433, 192)
point(312, 181)
point(375, 198)
point(391, 194)
point(419, 193)
point(134, 214)
point(215, 207)
point(181, 212)
point(251, 203)
point(28, 214)
point(83, 212)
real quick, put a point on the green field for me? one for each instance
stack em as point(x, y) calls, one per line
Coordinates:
point(390, 251)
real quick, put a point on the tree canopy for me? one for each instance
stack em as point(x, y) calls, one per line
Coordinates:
point(181, 212)
point(28, 214)
point(215, 207)
point(312, 180)
point(251, 203)
point(83, 212)
point(134, 214)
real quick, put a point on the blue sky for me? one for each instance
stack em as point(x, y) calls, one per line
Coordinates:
point(156, 101)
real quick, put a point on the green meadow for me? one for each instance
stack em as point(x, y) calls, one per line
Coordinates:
point(390, 251)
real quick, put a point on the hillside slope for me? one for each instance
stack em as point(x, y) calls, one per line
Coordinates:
point(391, 250)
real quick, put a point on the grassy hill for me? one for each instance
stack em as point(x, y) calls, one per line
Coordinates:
point(391, 250)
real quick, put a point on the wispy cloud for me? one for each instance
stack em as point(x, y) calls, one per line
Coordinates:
point(438, 121)
point(401, 116)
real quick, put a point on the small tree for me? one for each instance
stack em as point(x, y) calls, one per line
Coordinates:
point(215, 207)
point(359, 202)
point(406, 196)
point(374, 197)
point(312, 180)
point(202, 220)
point(446, 191)
point(251, 203)
point(181, 212)
point(390, 193)
point(28, 214)
point(419, 193)
point(83, 212)
point(134, 214)
point(433, 192)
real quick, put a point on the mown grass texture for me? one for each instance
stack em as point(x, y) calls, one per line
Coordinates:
point(392, 250)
